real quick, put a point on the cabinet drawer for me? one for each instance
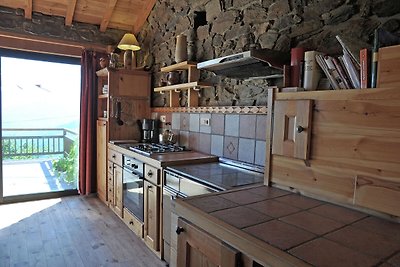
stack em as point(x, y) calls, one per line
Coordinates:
point(134, 224)
point(115, 157)
point(151, 174)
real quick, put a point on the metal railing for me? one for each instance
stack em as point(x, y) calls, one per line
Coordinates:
point(36, 142)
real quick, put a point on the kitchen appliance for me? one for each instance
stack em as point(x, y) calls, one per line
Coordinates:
point(255, 63)
point(133, 186)
point(149, 131)
point(148, 149)
point(196, 179)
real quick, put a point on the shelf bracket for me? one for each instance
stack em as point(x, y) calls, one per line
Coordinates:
point(196, 88)
point(161, 92)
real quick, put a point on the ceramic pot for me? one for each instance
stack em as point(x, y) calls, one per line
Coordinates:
point(181, 48)
point(172, 77)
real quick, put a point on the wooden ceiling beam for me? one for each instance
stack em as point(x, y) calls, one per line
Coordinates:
point(70, 12)
point(107, 16)
point(28, 9)
point(147, 7)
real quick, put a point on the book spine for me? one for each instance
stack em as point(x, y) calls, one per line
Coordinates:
point(374, 59)
point(365, 68)
point(321, 61)
point(334, 73)
point(312, 71)
point(342, 73)
point(296, 56)
point(354, 74)
point(286, 76)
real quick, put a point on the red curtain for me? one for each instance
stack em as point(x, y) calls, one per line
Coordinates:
point(87, 130)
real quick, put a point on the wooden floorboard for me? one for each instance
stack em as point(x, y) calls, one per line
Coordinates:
point(70, 231)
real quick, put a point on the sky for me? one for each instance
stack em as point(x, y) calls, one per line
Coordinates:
point(39, 94)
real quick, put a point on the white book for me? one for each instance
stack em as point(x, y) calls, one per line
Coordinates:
point(312, 71)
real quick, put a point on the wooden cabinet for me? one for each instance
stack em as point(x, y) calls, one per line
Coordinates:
point(128, 91)
point(102, 160)
point(152, 215)
point(197, 248)
point(152, 208)
point(292, 128)
point(114, 182)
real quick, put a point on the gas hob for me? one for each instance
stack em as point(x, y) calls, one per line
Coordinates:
point(152, 148)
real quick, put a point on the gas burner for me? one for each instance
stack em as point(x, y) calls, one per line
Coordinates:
point(147, 149)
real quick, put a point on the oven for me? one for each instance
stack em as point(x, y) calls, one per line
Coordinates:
point(133, 186)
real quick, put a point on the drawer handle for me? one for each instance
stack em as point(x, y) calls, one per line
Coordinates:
point(114, 156)
point(131, 222)
point(179, 230)
point(150, 173)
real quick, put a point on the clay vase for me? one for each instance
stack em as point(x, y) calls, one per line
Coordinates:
point(181, 48)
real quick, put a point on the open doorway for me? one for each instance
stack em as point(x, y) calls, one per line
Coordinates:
point(40, 105)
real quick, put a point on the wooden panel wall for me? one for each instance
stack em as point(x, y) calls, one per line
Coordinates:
point(355, 149)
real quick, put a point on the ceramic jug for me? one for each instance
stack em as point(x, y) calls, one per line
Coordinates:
point(181, 48)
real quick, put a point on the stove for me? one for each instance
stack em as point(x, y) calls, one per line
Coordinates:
point(151, 148)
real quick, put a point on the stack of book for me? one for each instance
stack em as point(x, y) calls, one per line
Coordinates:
point(352, 69)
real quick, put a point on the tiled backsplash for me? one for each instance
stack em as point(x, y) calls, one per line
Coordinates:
point(234, 136)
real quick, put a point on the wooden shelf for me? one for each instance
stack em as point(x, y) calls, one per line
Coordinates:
point(192, 86)
point(102, 119)
point(185, 65)
point(183, 86)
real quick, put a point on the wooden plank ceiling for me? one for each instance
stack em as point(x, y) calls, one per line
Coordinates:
point(128, 15)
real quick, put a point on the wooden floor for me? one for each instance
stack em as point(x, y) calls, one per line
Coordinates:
point(70, 231)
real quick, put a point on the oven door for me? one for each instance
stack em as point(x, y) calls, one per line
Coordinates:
point(133, 189)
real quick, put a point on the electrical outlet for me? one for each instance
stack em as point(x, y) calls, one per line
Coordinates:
point(163, 118)
point(205, 121)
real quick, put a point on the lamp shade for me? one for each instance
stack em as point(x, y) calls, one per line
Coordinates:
point(129, 42)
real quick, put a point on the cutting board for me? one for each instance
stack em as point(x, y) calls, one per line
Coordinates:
point(389, 66)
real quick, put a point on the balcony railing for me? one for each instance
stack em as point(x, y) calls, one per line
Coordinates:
point(36, 142)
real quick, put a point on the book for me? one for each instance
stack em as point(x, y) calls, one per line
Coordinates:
point(312, 71)
point(365, 68)
point(334, 72)
point(382, 38)
point(343, 74)
point(322, 63)
point(296, 56)
point(352, 54)
point(354, 73)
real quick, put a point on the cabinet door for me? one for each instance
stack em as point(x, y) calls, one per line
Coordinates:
point(198, 248)
point(292, 128)
point(152, 215)
point(102, 160)
point(118, 189)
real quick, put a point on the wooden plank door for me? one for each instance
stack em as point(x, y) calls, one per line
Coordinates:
point(198, 248)
point(102, 160)
point(292, 128)
point(152, 215)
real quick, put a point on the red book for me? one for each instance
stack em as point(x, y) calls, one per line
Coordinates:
point(365, 68)
point(296, 58)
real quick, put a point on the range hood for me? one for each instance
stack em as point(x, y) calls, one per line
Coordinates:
point(255, 63)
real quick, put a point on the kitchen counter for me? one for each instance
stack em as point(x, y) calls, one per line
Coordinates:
point(280, 228)
point(161, 160)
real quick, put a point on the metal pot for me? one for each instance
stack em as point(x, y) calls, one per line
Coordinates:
point(167, 138)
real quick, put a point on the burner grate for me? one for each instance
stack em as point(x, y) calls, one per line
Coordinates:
point(156, 148)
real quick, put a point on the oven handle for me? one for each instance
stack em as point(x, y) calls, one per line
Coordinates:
point(130, 171)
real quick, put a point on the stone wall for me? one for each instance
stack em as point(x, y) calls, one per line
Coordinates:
point(12, 20)
point(230, 26)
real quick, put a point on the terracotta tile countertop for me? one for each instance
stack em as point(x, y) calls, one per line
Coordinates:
point(316, 232)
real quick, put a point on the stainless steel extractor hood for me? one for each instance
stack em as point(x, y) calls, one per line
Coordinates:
point(255, 63)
